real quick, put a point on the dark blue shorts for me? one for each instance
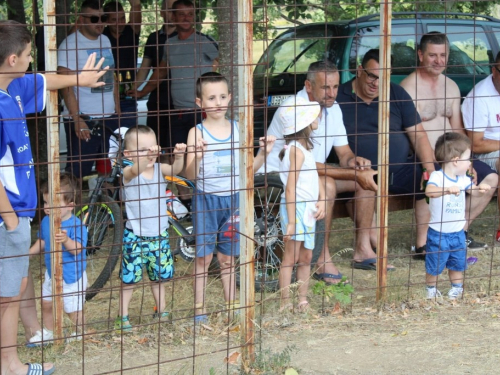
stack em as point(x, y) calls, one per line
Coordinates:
point(407, 179)
point(445, 250)
point(217, 223)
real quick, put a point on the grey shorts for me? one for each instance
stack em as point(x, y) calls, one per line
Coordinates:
point(14, 257)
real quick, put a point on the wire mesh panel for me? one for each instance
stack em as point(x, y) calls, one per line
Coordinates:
point(151, 149)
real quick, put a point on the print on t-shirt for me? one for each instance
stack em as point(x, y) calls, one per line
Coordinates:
point(108, 76)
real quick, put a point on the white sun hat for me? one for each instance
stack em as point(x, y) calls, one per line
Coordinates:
point(296, 113)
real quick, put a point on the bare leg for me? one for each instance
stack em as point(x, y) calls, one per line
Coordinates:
point(28, 313)
point(303, 270)
point(456, 277)
point(290, 257)
point(430, 280)
point(158, 290)
point(422, 217)
point(48, 318)
point(474, 206)
point(125, 297)
point(323, 260)
point(227, 276)
point(78, 320)
point(201, 265)
point(9, 313)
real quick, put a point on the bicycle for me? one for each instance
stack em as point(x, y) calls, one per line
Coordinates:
point(267, 233)
point(102, 214)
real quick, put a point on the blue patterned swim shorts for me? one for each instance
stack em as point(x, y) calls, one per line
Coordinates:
point(152, 252)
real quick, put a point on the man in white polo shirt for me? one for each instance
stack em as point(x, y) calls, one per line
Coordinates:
point(481, 115)
point(354, 174)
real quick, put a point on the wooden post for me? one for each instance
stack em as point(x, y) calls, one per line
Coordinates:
point(245, 111)
point(383, 146)
point(49, 21)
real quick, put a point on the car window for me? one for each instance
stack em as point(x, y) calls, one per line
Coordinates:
point(294, 54)
point(496, 33)
point(402, 44)
point(470, 50)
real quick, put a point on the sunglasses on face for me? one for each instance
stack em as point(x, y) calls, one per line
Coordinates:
point(96, 19)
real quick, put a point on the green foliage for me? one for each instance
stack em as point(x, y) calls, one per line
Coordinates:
point(269, 363)
point(340, 292)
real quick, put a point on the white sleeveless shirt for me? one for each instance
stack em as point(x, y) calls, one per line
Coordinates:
point(220, 165)
point(307, 189)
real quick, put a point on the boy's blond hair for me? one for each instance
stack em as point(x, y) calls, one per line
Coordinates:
point(451, 145)
point(136, 130)
point(68, 185)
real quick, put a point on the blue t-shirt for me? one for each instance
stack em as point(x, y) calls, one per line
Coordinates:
point(73, 265)
point(24, 95)
point(361, 123)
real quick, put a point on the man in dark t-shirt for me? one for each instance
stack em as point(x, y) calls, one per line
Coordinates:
point(409, 147)
point(124, 38)
point(159, 101)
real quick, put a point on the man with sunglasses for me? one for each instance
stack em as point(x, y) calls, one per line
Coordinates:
point(409, 148)
point(96, 103)
point(437, 99)
point(481, 115)
point(124, 38)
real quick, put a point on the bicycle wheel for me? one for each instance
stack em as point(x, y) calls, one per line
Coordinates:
point(267, 234)
point(105, 230)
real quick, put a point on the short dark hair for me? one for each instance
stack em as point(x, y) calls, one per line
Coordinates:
point(372, 54)
point(433, 37)
point(186, 3)
point(451, 145)
point(325, 66)
point(15, 37)
point(91, 4)
point(136, 130)
point(113, 7)
point(68, 185)
point(209, 77)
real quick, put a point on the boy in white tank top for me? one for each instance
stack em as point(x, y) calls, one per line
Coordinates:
point(213, 162)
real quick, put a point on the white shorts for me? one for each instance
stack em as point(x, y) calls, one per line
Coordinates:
point(73, 294)
point(489, 158)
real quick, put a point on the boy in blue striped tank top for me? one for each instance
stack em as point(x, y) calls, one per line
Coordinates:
point(213, 161)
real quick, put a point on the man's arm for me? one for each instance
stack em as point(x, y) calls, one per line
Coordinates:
point(135, 16)
point(363, 177)
point(456, 121)
point(349, 160)
point(481, 145)
point(422, 146)
point(159, 74)
point(143, 71)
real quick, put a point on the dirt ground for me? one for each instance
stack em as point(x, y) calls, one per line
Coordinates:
point(406, 335)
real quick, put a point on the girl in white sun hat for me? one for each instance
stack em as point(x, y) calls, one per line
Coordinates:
point(304, 199)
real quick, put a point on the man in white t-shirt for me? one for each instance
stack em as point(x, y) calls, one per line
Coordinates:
point(481, 115)
point(96, 103)
point(354, 174)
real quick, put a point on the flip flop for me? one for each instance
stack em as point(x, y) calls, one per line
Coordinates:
point(37, 369)
point(369, 264)
point(201, 319)
point(323, 276)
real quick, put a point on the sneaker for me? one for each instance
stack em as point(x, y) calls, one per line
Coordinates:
point(473, 245)
point(162, 317)
point(74, 337)
point(41, 337)
point(122, 324)
point(433, 293)
point(455, 292)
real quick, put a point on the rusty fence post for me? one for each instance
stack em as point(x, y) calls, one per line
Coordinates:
point(245, 111)
point(49, 20)
point(383, 146)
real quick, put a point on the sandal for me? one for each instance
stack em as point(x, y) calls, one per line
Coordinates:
point(303, 307)
point(122, 324)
